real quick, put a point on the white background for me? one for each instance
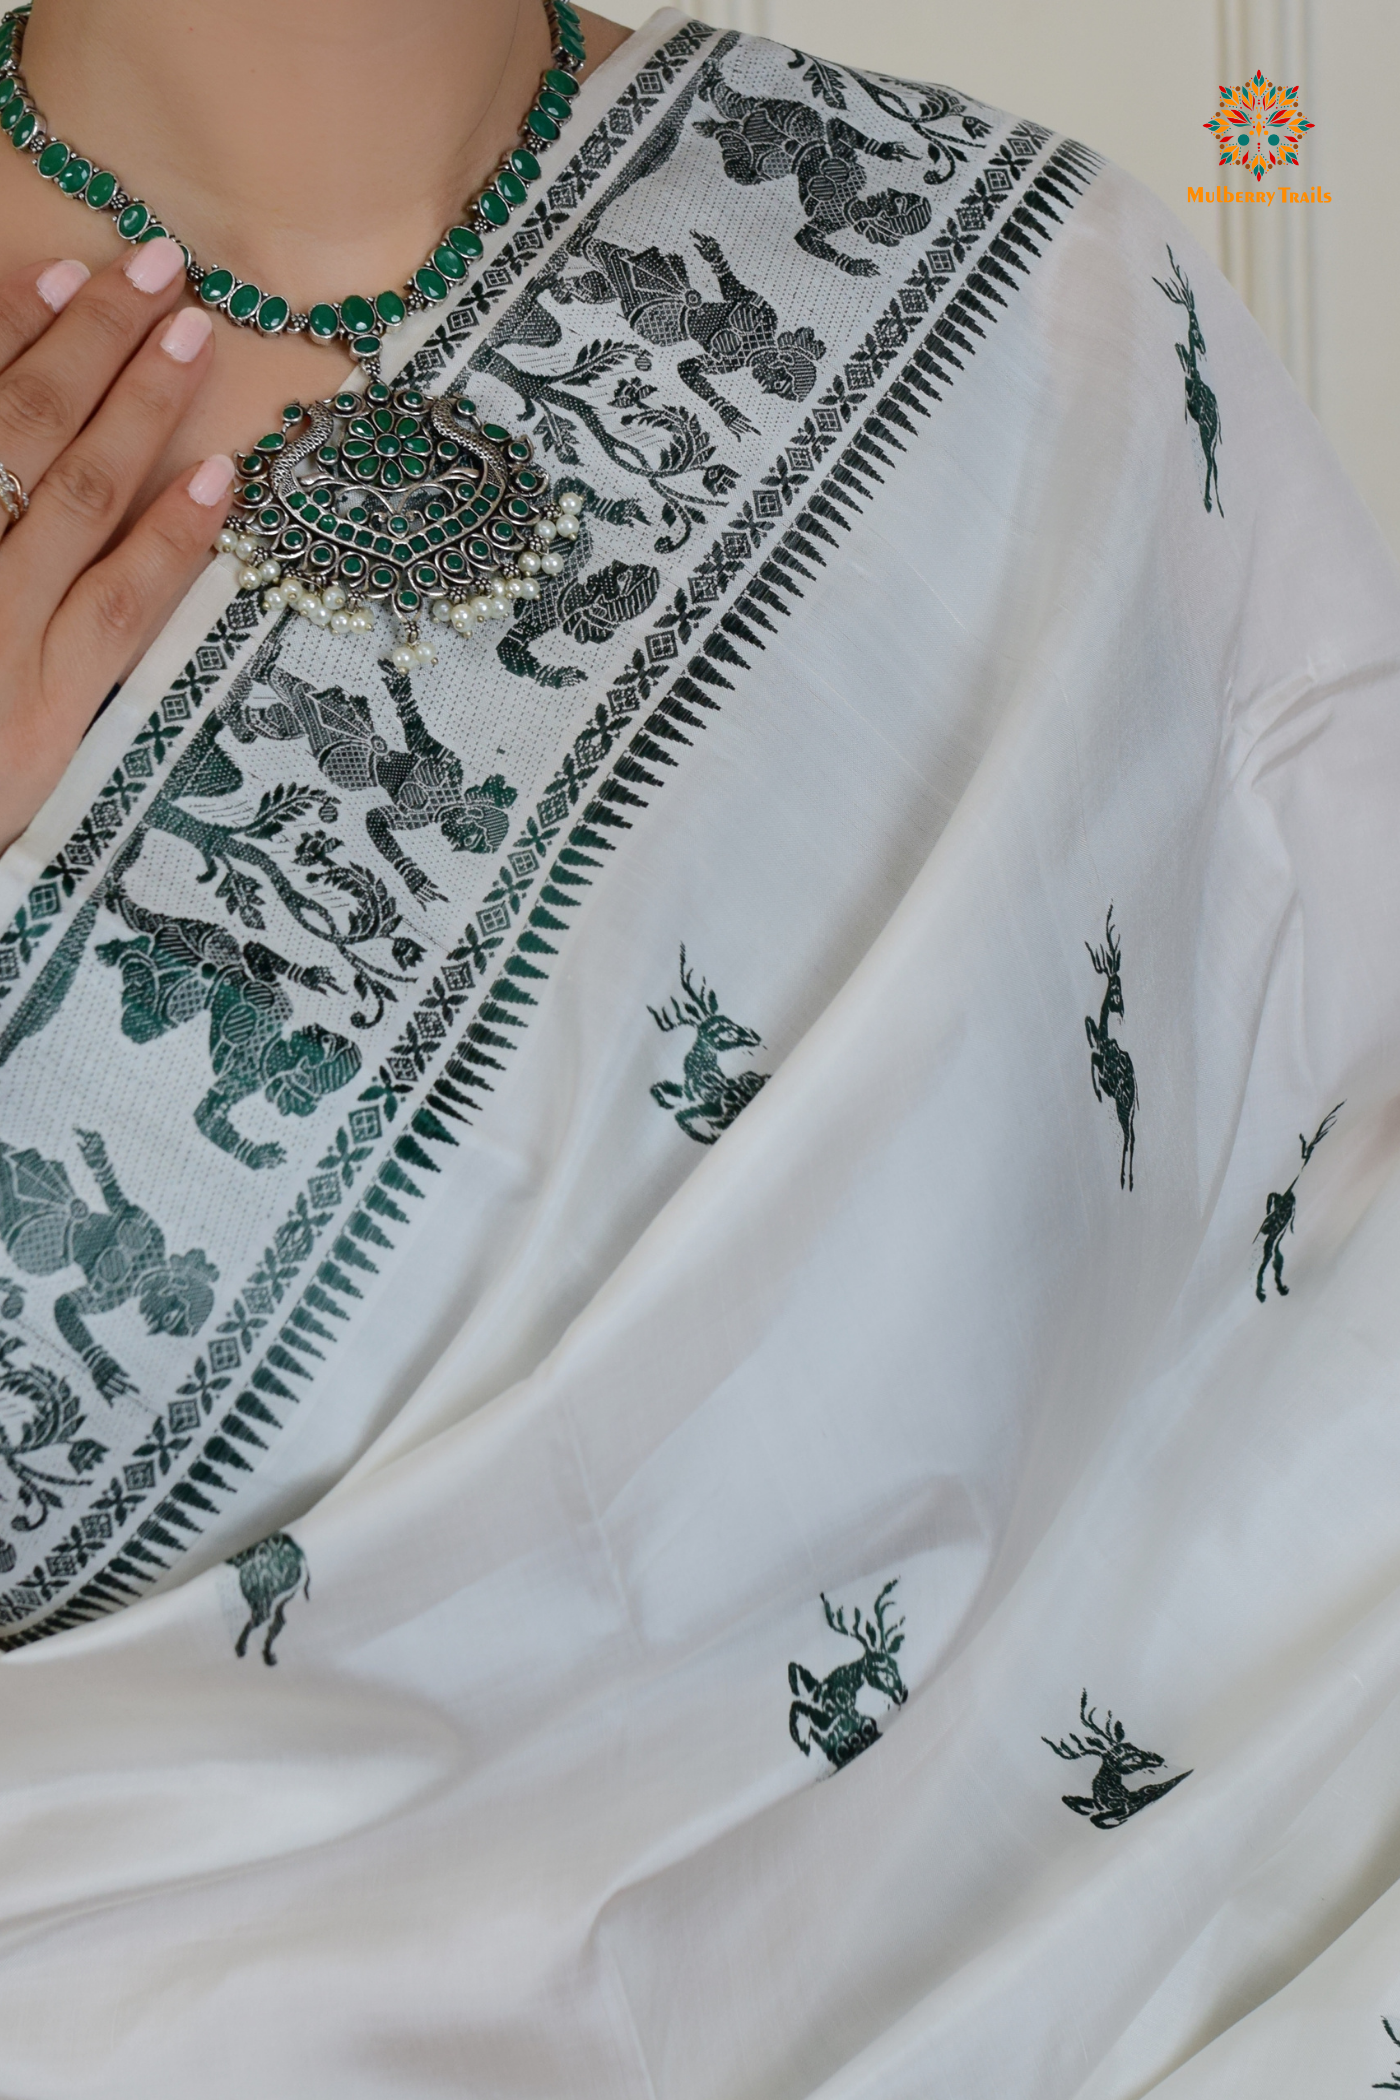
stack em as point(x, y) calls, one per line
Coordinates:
point(1138, 79)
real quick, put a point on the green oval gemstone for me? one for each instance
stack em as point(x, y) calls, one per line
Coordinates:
point(294, 540)
point(74, 179)
point(14, 110)
point(269, 519)
point(383, 419)
point(383, 579)
point(543, 127)
point(526, 481)
point(571, 42)
point(499, 435)
point(388, 447)
point(562, 83)
point(409, 601)
point(250, 463)
point(216, 287)
point(447, 262)
point(53, 160)
point(556, 105)
point(421, 447)
point(323, 321)
point(101, 190)
point(357, 314)
point(518, 509)
point(355, 448)
point(353, 567)
point(272, 315)
point(479, 551)
point(9, 92)
point(25, 129)
point(525, 165)
point(415, 469)
point(510, 187)
point(431, 284)
point(390, 309)
point(244, 301)
point(251, 494)
point(467, 242)
point(322, 557)
point(452, 562)
point(328, 456)
point(364, 346)
point(493, 207)
point(425, 576)
point(391, 474)
point(132, 223)
point(154, 232)
point(273, 442)
point(346, 405)
point(367, 468)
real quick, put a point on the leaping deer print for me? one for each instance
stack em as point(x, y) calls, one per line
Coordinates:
point(1391, 2084)
point(824, 1710)
point(1111, 1803)
point(710, 1097)
point(1202, 409)
point(1110, 1067)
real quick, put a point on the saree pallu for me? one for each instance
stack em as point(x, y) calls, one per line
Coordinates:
point(698, 1333)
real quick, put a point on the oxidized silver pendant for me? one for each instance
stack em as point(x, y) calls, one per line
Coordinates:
point(398, 498)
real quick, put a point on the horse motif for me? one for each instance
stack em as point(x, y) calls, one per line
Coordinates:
point(269, 1575)
point(710, 1097)
point(824, 1710)
point(1111, 1802)
point(1110, 1067)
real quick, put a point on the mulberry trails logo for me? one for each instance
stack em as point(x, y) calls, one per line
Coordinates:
point(1259, 129)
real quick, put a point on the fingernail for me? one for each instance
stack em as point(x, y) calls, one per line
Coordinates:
point(210, 483)
point(187, 334)
point(155, 264)
point(59, 282)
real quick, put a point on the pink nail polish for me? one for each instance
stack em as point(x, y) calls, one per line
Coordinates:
point(155, 264)
point(187, 334)
point(210, 483)
point(60, 281)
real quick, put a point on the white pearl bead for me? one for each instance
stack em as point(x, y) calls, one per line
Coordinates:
point(270, 572)
point(514, 586)
point(568, 528)
point(245, 548)
point(551, 563)
point(340, 623)
point(529, 565)
point(442, 612)
point(570, 501)
point(479, 607)
point(426, 653)
point(274, 600)
point(544, 531)
point(498, 585)
point(500, 608)
point(461, 618)
point(364, 621)
point(404, 658)
point(292, 591)
point(248, 579)
point(530, 588)
point(333, 597)
point(316, 612)
point(227, 542)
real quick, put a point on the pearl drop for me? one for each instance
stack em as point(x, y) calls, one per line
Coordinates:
point(514, 586)
point(274, 600)
point(270, 572)
point(292, 591)
point(245, 548)
point(479, 607)
point(530, 588)
point(461, 618)
point(426, 653)
point(333, 597)
point(498, 586)
point(227, 542)
point(340, 623)
point(551, 563)
point(442, 612)
point(249, 579)
point(567, 528)
point(544, 531)
point(364, 621)
point(570, 501)
point(404, 658)
point(316, 613)
point(529, 565)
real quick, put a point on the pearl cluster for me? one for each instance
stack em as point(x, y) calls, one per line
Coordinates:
point(333, 607)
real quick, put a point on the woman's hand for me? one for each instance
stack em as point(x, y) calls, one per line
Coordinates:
point(95, 373)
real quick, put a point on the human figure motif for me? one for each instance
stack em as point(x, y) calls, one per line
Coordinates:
point(45, 1227)
point(1280, 1212)
point(588, 608)
point(1202, 408)
point(764, 139)
point(738, 331)
point(422, 783)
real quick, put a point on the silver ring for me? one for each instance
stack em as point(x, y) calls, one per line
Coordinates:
point(13, 500)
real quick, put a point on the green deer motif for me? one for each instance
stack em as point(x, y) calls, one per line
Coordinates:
point(710, 1098)
point(824, 1710)
point(1110, 1803)
point(1391, 2084)
point(1202, 409)
point(269, 1575)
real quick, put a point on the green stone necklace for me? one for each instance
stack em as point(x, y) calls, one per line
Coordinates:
point(386, 495)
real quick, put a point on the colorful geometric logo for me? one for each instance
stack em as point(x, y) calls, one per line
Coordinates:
point(1258, 126)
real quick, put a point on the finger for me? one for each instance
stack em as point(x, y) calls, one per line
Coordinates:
point(117, 608)
point(48, 391)
point(30, 300)
point(86, 493)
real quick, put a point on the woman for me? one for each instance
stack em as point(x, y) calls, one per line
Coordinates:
point(769, 845)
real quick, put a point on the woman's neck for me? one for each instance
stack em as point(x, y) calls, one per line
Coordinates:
point(318, 147)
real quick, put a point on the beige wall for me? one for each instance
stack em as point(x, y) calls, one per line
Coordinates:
point(1137, 79)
